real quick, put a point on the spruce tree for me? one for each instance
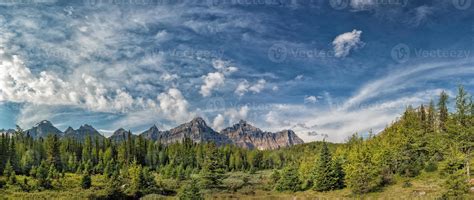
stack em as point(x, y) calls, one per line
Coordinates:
point(289, 180)
point(190, 191)
point(9, 173)
point(443, 110)
point(323, 180)
point(52, 150)
point(431, 118)
point(213, 171)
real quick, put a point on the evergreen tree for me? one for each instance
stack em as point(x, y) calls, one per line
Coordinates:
point(443, 110)
point(323, 172)
point(213, 171)
point(456, 186)
point(289, 180)
point(362, 173)
point(191, 191)
point(52, 150)
point(431, 118)
point(9, 173)
point(42, 176)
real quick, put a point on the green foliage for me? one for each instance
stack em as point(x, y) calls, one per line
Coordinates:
point(212, 171)
point(190, 191)
point(289, 180)
point(44, 182)
point(362, 174)
point(456, 186)
point(9, 173)
point(86, 181)
point(327, 174)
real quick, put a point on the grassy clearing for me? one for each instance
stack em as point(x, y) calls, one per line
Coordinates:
point(239, 185)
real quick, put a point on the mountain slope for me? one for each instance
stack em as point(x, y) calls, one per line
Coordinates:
point(153, 133)
point(196, 130)
point(42, 129)
point(247, 136)
point(82, 132)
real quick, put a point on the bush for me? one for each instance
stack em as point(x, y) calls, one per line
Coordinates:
point(86, 181)
point(431, 166)
point(289, 180)
point(456, 185)
point(190, 191)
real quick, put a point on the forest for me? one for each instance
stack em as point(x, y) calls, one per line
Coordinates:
point(426, 142)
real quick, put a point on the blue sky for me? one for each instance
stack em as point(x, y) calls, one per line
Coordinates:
point(321, 68)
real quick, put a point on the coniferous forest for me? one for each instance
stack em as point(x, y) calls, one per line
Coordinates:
point(427, 142)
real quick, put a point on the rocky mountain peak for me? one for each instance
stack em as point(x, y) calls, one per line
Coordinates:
point(43, 129)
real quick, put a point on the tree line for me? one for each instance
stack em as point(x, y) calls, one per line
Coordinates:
point(426, 138)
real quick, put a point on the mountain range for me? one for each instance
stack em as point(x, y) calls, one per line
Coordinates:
point(241, 134)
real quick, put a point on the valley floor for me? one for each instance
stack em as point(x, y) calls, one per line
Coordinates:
point(425, 186)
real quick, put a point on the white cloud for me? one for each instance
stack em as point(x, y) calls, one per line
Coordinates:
point(299, 77)
point(214, 80)
point(310, 99)
point(211, 82)
point(257, 88)
point(244, 87)
point(218, 122)
point(169, 77)
point(343, 43)
point(173, 105)
point(235, 115)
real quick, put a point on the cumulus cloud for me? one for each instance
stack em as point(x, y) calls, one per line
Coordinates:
point(244, 87)
point(19, 84)
point(214, 80)
point(173, 104)
point(218, 122)
point(211, 82)
point(345, 42)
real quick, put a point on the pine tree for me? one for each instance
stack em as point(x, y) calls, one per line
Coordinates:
point(42, 176)
point(323, 173)
point(13, 155)
point(431, 118)
point(213, 171)
point(362, 173)
point(443, 110)
point(190, 191)
point(289, 180)
point(9, 173)
point(52, 150)
point(456, 186)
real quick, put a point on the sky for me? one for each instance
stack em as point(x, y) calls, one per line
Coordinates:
point(325, 69)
